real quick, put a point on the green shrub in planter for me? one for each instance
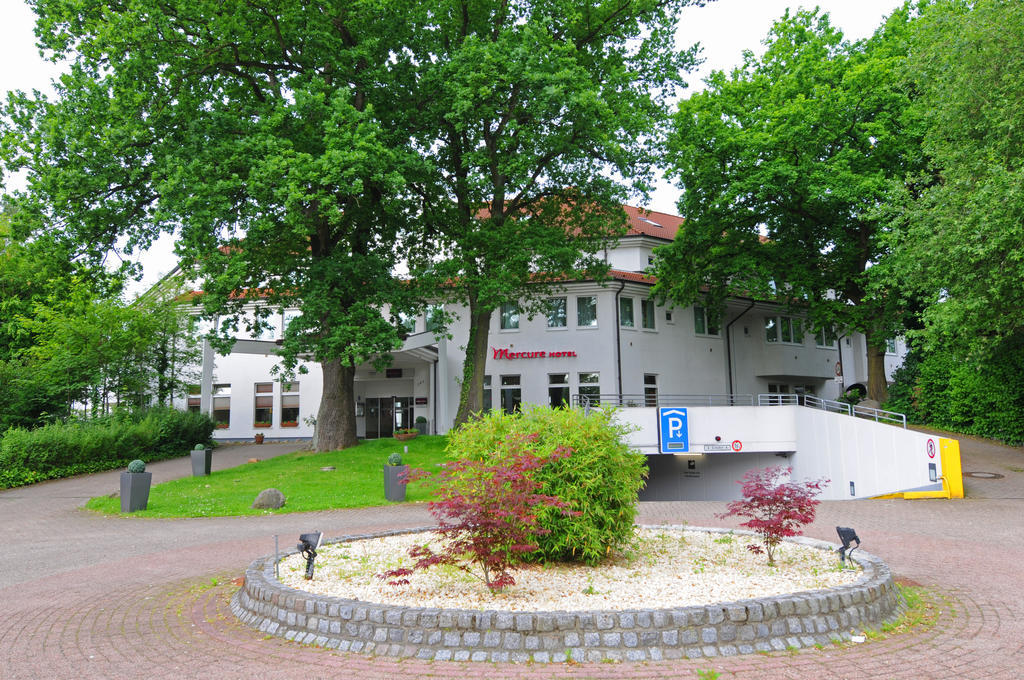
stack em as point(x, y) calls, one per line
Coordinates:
point(600, 479)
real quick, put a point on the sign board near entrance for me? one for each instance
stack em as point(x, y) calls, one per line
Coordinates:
point(673, 431)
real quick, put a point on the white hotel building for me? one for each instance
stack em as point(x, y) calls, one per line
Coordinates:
point(606, 338)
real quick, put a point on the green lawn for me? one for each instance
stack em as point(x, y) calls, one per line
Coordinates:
point(357, 481)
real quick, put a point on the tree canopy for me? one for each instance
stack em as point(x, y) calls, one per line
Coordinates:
point(300, 151)
point(255, 131)
point(783, 163)
point(958, 226)
point(540, 118)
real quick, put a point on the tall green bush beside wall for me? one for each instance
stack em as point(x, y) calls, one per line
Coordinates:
point(965, 392)
point(65, 449)
point(600, 479)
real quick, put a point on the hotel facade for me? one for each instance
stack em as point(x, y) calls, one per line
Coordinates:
point(602, 341)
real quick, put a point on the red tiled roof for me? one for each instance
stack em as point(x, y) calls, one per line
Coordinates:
point(652, 223)
point(634, 277)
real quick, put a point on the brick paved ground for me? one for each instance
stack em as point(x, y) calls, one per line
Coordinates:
point(83, 596)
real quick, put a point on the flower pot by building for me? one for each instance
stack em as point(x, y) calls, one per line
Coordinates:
point(258, 437)
point(405, 435)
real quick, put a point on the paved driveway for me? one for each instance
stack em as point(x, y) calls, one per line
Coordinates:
point(84, 596)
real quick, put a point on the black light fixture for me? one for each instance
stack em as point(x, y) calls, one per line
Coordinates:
point(308, 543)
point(847, 536)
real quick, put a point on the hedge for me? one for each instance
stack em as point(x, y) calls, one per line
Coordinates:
point(66, 449)
point(971, 393)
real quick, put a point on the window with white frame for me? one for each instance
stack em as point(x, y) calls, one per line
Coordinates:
point(287, 317)
point(488, 402)
point(825, 337)
point(194, 398)
point(701, 324)
point(434, 318)
point(890, 346)
point(263, 413)
point(556, 312)
point(406, 323)
point(558, 389)
point(590, 386)
point(586, 311)
point(289, 404)
point(647, 314)
point(511, 393)
point(785, 329)
point(509, 317)
point(222, 405)
point(650, 389)
point(626, 312)
point(668, 316)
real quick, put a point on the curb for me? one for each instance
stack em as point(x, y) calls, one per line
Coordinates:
point(766, 624)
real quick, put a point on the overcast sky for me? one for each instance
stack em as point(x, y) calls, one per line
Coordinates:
point(724, 28)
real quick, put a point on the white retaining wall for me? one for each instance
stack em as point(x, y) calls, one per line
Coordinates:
point(878, 458)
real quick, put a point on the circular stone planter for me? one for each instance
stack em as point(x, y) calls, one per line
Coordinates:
point(724, 629)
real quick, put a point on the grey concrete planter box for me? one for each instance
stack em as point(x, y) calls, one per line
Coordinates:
point(767, 624)
point(394, 489)
point(202, 459)
point(422, 427)
point(135, 490)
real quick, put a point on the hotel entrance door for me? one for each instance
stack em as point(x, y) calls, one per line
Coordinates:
point(384, 415)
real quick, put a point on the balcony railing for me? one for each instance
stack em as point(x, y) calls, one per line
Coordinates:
point(808, 400)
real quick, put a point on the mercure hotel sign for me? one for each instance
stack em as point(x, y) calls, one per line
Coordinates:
point(505, 353)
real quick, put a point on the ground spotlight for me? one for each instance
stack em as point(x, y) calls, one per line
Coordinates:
point(847, 536)
point(308, 543)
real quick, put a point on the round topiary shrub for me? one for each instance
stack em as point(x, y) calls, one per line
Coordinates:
point(600, 479)
point(199, 447)
point(395, 459)
point(136, 466)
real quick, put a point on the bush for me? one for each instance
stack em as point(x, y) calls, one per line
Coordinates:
point(65, 449)
point(600, 479)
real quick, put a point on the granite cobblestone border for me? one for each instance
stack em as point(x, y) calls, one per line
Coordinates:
point(765, 624)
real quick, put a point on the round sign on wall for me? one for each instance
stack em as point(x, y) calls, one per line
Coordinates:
point(930, 447)
point(737, 445)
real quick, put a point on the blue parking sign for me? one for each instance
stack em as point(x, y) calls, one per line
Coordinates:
point(673, 433)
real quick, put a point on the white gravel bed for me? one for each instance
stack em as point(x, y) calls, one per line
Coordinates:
point(667, 568)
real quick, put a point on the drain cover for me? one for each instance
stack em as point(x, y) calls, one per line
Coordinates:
point(983, 475)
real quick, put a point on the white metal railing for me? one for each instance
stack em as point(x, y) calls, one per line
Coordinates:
point(808, 400)
point(654, 400)
point(811, 401)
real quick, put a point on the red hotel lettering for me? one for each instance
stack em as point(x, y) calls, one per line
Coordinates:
point(505, 354)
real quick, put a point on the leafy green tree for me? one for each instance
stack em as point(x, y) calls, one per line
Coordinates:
point(101, 354)
point(257, 131)
point(799, 146)
point(35, 271)
point(958, 227)
point(527, 110)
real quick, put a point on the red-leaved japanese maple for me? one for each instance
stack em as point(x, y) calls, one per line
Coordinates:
point(776, 508)
point(485, 513)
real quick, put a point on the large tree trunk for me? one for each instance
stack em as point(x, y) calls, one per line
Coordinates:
point(877, 387)
point(471, 397)
point(336, 420)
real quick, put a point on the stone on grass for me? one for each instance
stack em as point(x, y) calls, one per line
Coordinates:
point(269, 499)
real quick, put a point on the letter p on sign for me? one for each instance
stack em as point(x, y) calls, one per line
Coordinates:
point(673, 432)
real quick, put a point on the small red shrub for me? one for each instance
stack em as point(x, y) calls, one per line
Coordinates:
point(776, 509)
point(486, 513)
